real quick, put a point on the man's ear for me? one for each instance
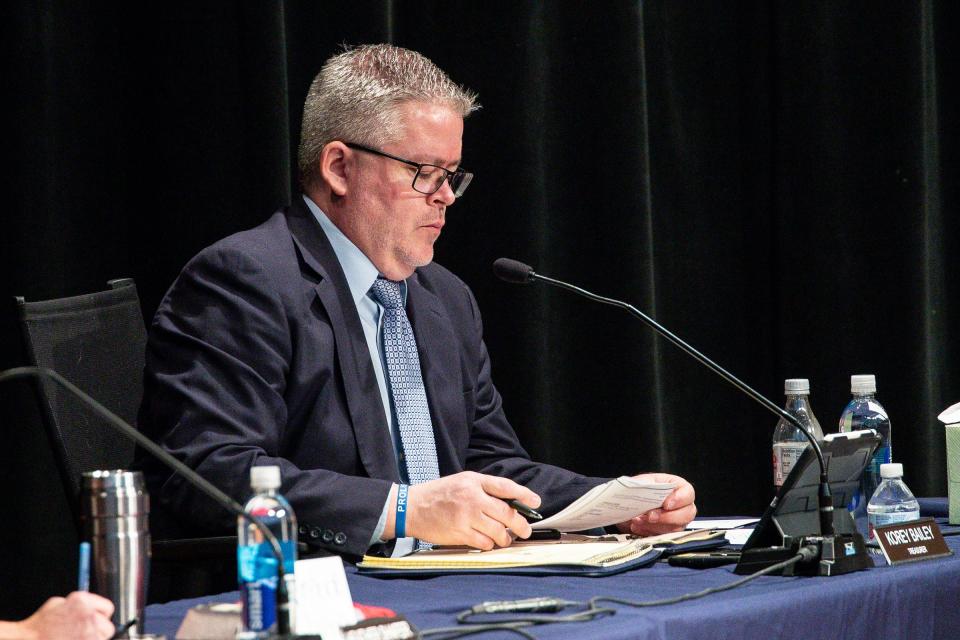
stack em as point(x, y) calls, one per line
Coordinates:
point(334, 161)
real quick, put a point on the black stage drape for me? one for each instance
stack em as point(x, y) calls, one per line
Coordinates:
point(776, 181)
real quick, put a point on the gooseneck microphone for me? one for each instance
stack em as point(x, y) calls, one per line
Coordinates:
point(513, 271)
point(195, 479)
point(520, 273)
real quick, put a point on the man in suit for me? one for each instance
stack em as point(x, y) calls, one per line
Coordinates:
point(324, 341)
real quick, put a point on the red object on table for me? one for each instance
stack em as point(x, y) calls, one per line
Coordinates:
point(370, 611)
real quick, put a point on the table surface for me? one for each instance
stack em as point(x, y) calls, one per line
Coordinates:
point(916, 600)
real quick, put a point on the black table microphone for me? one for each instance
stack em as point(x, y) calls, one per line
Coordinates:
point(520, 273)
point(118, 424)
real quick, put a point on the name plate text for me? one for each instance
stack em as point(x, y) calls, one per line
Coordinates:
point(911, 541)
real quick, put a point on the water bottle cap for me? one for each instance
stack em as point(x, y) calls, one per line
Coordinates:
point(265, 477)
point(863, 384)
point(891, 470)
point(796, 386)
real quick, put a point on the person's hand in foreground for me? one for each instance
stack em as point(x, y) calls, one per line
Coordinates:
point(79, 616)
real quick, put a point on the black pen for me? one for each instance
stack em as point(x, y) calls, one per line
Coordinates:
point(523, 509)
point(704, 560)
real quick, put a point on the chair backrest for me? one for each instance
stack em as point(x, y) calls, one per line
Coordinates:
point(97, 342)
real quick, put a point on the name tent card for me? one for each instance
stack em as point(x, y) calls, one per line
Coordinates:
point(324, 603)
point(911, 541)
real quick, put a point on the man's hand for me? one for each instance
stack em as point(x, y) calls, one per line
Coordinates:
point(465, 509)
point(676, 513)
point(79, 616)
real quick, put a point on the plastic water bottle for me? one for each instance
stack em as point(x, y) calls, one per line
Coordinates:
point(256, 563)
point(788, 441)
point(892, 502)
point(864, 412)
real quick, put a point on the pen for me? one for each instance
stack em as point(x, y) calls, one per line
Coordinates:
point(83, 575)
point(704, 560)
point(523, 509)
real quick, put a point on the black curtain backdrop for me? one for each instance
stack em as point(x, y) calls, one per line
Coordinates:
point(776, 181)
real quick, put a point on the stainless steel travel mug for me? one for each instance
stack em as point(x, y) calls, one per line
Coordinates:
point(115, 511)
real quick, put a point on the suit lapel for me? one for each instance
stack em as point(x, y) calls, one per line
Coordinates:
point(359, 381)
point(440, 366)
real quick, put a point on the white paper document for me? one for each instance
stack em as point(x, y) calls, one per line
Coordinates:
point(738, 536)
point(729, 523)
point(616, 501)
point(738, 529)
point(324, 603)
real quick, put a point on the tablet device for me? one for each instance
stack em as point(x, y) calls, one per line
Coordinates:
point(794, 511)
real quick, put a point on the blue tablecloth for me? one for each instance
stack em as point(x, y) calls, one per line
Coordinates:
point(919, 600)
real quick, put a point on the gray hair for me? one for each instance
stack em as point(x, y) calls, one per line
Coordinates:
point(357, 95)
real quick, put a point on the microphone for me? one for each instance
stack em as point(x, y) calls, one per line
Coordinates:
point(513, 271)
point(118, 424)
point(518, 272)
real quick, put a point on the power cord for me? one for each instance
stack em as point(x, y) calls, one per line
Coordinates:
point(806, 553)
point(462, 632)
point(517, 625)
point(591, 611)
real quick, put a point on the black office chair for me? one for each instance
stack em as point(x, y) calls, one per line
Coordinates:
point(97, 341)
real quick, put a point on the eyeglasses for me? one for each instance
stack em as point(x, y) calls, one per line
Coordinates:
point(429, 177)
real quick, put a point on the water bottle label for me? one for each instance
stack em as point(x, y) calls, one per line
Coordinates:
point(257, 569)
point(257, 573)
point(785, 456)
point(259, 604)
point(883, 519)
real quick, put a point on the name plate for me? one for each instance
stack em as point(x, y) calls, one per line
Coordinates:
point(911, 541)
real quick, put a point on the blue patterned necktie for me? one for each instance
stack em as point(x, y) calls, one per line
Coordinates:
point(406, 385)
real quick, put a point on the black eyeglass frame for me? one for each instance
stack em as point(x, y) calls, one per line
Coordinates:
point(457, 177)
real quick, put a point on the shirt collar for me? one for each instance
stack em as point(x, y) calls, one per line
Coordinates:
point(360, 272)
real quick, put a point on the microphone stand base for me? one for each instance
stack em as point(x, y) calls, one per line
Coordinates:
point(836, 555)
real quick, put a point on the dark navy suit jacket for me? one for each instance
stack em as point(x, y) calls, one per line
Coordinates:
point(256, 356)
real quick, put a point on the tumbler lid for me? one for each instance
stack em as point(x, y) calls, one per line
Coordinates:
point(113, 479)
point(113, 493)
